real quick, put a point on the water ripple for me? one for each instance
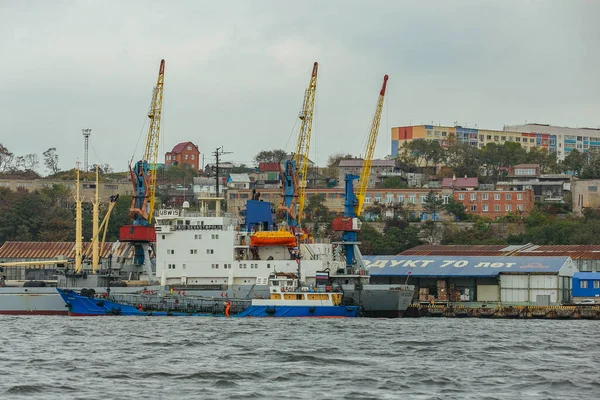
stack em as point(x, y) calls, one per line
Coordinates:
point(174, 358)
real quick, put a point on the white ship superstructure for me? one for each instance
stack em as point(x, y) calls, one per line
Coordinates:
point(205, 251)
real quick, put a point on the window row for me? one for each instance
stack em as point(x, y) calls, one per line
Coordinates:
point(486, 196)
point(497, 207)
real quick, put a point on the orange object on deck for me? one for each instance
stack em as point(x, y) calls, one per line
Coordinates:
point(273, 238)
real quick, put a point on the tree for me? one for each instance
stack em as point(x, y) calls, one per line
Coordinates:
point(574, 162)
point(270, 156)
point(6, 158)
point(432, 204)
point(240, 169)
point(333, 164)
point(591, 167)
point(393, 182)
point(51, 160)
point(463, 158)
point(421, 153)
point(456, 208)
point(31, 162)
point(315, 209)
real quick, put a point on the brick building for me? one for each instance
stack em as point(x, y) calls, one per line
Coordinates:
point(184, 153)
point(496, 203)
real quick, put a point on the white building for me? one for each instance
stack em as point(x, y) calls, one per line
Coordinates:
point(567, 139)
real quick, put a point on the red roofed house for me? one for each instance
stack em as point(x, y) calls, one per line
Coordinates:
point(460, 183)
point(184, 153)
point(268, 171)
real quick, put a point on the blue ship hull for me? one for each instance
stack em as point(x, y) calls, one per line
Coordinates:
point(300, 311)
point(79, 305)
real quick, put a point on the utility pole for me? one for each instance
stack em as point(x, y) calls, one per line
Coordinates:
point(86, 135)
point(218, 152)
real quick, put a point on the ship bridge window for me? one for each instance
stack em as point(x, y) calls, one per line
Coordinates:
point(170, 251)
point(187, 221)
point(163, 237)
point(193, 251)
point(197, 236)
point(210, 251)
point(214, 236)
point(179, 222)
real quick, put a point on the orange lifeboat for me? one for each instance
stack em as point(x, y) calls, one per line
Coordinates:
point(273, 238)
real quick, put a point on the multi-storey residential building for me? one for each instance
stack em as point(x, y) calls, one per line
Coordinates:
point(184, 153)
point(472, 136)
point(567, 139)
point(87, 188)
point(380, 169)
point(495, 203)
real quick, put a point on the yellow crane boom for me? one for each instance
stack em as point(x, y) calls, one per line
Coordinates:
point(365, 172)
point(303, 145)
point(151, 152)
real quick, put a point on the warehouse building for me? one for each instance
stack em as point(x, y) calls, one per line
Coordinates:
point(121, 257)
point(585, 256)
point(505, 280)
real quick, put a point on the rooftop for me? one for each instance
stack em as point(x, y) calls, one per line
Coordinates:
point(358, 162)
point(50, 250)
point(482, 266)
point(179, 147)
point(460, 182)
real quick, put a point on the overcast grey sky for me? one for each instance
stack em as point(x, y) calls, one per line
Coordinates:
point(236, 71)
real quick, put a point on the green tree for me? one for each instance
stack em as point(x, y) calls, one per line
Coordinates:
point(456, 208)
point(393, 182)
point(574, 162)
point(462, 158)
point(270, 156)
point(315, 209)
point(421, 153)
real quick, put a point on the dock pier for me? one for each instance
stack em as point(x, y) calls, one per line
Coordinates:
point(513, 312)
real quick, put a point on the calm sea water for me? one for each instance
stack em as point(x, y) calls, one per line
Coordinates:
point(180, 358)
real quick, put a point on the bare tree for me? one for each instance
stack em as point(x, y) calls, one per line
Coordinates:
point(32, 162)
point(6, 158)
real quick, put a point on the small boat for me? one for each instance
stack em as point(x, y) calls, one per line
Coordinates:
point(280, 237)
point(287, 299)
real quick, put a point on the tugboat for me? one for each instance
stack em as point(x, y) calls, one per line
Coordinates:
point(287, 299)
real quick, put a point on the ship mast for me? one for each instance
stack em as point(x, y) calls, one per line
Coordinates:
point(95, 229)
point(78, 223)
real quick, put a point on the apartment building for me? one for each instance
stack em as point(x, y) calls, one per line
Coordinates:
point(380, 169)
point(567, 139)
point(472, 136)
point(496, 203)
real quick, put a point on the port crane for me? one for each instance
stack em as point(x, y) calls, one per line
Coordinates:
point(294, 172)
point(141, 234)
point(349, 224)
